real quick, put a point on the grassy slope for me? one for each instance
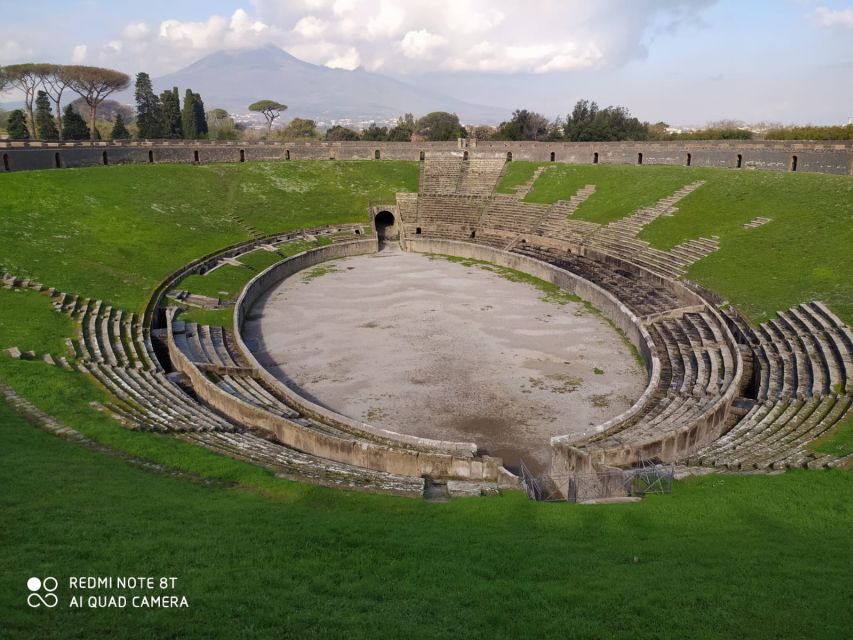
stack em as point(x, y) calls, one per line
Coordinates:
point(27, 321)
point(227, 281)
point(114, 232)
point(722, 557)
point(771, 563)
point(803, 254)
point(515, 175)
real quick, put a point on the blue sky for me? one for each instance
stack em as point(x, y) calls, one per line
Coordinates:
point(682, 61)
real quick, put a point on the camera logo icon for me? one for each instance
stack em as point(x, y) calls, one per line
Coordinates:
point(42, 592)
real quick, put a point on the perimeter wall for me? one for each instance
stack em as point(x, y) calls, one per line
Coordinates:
point(822, 157)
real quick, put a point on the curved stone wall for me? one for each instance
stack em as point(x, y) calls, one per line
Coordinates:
point(834, 157)
point(260, 284)
point(569, 457)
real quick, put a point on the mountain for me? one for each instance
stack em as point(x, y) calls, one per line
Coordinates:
point(234, 79)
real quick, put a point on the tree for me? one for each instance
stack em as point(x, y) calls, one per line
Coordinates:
point(4, 80)
point(524, 125)
point(193, 121)
point(483, 132)
point(589, 123)
point(299, 128)
point(17, 127)
point(374, 133)
point(338, 133)
point(94, 84)
point(45, 124)
point(221, 125)
point(404, 128)
point(270, 110)
point(119, 131)
point(170, 112)
point(440, 125)
point(27, 78)
point(200, 115)
point(73, 125)
point(658, 131)
point(56, 81)
point(107, 110)
point(149, 119)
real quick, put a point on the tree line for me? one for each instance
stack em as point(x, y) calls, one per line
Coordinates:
point(43, 86)
point(164, 116)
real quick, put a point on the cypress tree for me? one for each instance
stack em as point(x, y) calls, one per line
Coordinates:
point(189, 120)
point(119, 132)
point(45, 124)
point(200, 115)
point(17, 127)
point(170, 109)
point(73, 125)
point(149, 117)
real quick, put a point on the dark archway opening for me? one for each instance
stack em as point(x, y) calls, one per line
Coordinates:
point(423, 156)
point(150, 157)
point(689, 159)
point(473, 234)
point(509, 156)
point(464, 155)
point(376, 155)
point(6, 162)
point(106, 159)
point(639, 158)
point(242, 155)
point(57, 159)
point(287, 154)
point(386, 226)
point(739, 161)
point(553, 156)
point(195, 155)
point(595, 158)
point(793, 163)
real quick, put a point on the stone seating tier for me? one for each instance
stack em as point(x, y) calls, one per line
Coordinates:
point(801, 364)
point(296, 465)
point(644, 298)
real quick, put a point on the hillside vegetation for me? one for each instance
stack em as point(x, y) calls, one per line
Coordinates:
point(803, 254)
point(115, 232)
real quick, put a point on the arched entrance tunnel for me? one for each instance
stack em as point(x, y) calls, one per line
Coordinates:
point(386, 226)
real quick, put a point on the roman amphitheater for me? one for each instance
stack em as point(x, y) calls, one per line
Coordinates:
point(416, 353)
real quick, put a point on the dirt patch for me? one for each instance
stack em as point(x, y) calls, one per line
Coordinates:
point(442, 350)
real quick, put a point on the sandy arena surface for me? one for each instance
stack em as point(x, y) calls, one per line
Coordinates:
point(437, 349)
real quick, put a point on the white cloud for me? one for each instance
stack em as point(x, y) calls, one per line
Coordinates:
point(417, 36)
point(78, 54)
point(194, 35)
point(826, 17)
point(420, 44)
point(386, 23)
point(136, 31)
point(310, 27)
point(349, 60)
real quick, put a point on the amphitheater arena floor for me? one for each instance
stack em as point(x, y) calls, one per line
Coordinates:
point(438, 349)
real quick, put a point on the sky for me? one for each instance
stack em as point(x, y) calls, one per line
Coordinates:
point(685, 62)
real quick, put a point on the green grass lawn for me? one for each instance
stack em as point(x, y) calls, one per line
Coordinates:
point(804, 254)
point(516, 174)
point(722, 557)
point(227, 281)
point(115, 232)
point(28, 321)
